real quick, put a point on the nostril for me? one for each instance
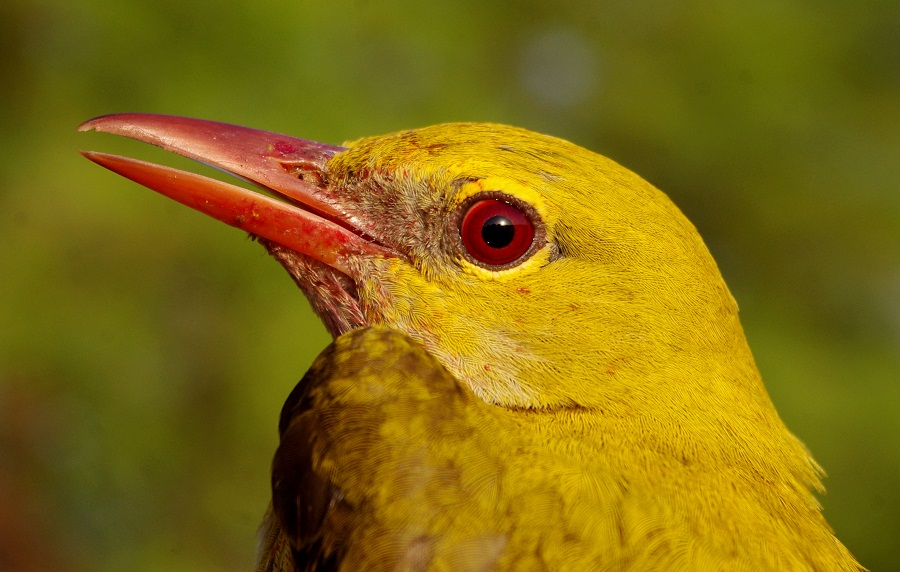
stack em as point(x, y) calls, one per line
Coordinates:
point(305, 172)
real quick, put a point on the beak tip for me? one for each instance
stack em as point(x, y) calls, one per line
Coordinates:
point(87, 125)
point(127, 124)
point(89, 155)
point(98, 123)
point(105, 160)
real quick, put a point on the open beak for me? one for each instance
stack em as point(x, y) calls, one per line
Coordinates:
point(308, 220)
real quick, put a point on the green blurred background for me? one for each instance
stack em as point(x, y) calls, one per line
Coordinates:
point(145, 350)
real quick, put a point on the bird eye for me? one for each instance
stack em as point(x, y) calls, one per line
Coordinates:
point(495, 232)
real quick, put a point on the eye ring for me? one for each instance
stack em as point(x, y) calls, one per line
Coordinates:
point(497, 231)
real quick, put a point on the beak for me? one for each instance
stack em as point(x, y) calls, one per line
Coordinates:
point(308, 220)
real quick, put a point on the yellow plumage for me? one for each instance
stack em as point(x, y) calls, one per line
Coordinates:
point(592, 405)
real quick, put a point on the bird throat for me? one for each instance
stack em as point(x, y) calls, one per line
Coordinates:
point(332, 294)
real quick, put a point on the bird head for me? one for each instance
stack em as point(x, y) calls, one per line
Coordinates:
point(541, 274)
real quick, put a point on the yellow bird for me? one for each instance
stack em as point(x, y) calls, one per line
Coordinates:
point(536, 365)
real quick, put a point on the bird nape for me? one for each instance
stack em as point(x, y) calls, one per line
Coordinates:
point(536, 363)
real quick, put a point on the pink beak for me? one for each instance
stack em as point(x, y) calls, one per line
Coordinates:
point(309, 220)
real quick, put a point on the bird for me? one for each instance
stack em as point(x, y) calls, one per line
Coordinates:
point(536, 362)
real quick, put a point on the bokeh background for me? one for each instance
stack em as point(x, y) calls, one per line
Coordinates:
point(145, 350)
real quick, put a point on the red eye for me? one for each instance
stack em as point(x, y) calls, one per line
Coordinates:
point(495, 232)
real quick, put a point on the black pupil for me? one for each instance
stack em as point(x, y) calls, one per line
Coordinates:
point(498, 231)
